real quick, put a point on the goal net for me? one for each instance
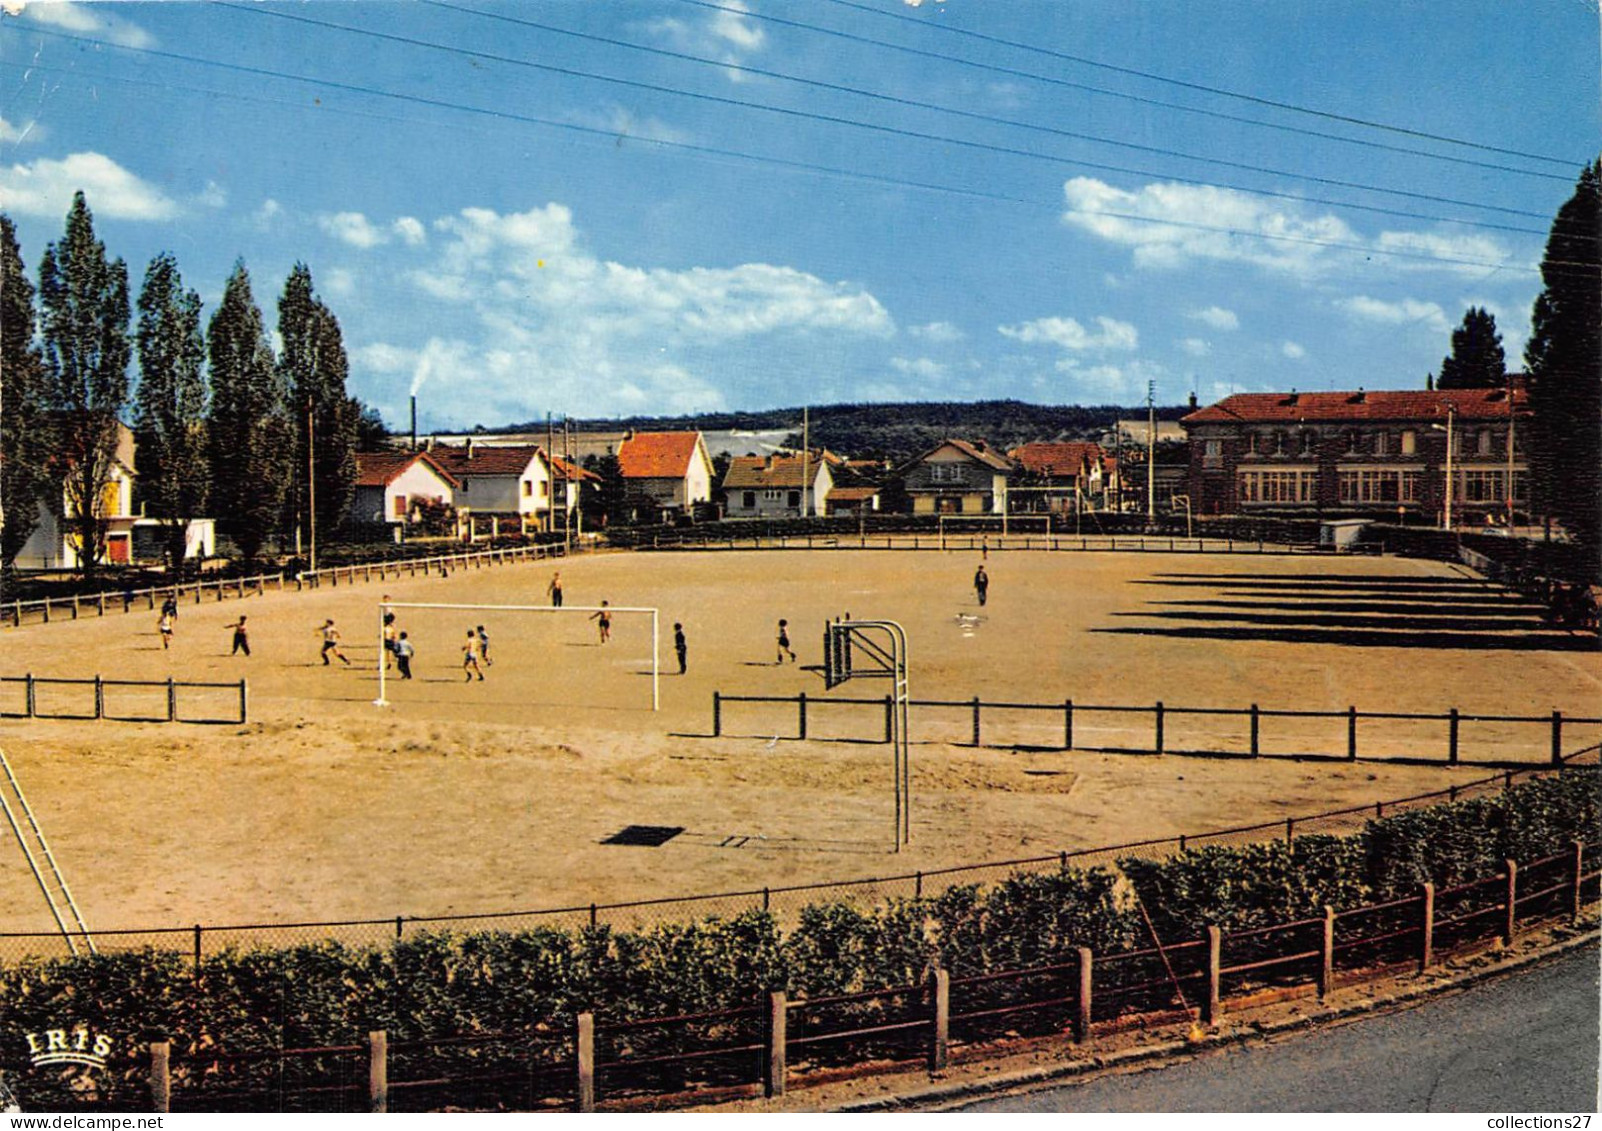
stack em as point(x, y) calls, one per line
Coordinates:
point(573, 655)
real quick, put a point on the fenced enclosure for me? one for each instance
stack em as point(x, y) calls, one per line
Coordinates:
point(1450, 738)
point(13, 614)
point(124, 700)
point(583, 1059)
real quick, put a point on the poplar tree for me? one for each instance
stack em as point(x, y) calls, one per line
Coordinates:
point(25, 445)
point(170, 405)
point(314, 368)
point(83, 299)
point(249, 438)
point(1564, 362)
point(1477, 360)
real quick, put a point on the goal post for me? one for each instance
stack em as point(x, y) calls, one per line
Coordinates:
point(589, 611)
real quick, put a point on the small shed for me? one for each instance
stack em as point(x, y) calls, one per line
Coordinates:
point(1342, 534)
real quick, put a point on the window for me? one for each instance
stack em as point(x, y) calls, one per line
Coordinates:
point(1480, 486)
point(528, 489)
point(1277, 486)
point(1252, 442)
point(793, 499)
point(545, 489)
point(1279, 443)
point(1354, 442)
point(1309, 442)
point(773, 496)
point(400, 506)
point(1409, 442)
point(1370, 485)
point(748, 499)
point(1485, 442)
point(1410, 486)
point(947, 473)
point(1212, 452)
point(1382, 443)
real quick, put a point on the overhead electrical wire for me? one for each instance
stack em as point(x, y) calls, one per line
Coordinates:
point(897, 131)
point(711, 151)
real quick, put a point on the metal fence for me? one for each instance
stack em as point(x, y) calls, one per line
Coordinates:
point(1178, 730)
point(785, 902)
point(124, 700)
point(584, 1060)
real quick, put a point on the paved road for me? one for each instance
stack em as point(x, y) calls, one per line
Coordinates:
point(1524, 1043)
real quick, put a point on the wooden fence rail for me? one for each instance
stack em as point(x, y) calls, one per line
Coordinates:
point(1450, 749)
point(51, 609)
point(169, 712)
point(439, 565)
point(929, 540)
point(1082, 996)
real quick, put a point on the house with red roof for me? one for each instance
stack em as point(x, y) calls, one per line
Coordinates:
point(510, 488)
point(391, 486)
point(1381, 452)
point(788, 484)
point(668, 472)
point(957, 477)
point(1057, 476)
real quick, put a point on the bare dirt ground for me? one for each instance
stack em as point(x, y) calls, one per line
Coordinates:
point(497, 795)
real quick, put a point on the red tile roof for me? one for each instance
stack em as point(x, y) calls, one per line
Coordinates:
point(380, 469)
point(566, 470)
point(484, 460)
point(658, 455)
point(1408, 404)
point(771, 471)
point(850, 494)
point(1063, 459)
point(976, 451)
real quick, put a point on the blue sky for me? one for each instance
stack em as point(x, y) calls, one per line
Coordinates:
point(1057, 202)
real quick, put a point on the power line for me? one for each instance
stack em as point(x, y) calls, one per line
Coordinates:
point(711, 151)
point(1269, 102)
point(917, 135)
point(743, 68)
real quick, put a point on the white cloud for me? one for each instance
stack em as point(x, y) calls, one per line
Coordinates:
point(729, 35)
point(410, 230)
point(922, 367)
point(1069, 334)
point(540, 322)
point(1293, 350)
point(269, 211)
point(338, 282)
point(45, 187)
point(212, 196)
point(353, 228)
point(1196, 347)
point(1216, 317)
point(1402, 312)
point(939, 332)
point(77, 17)
point(1171, 225)
point(625, 123)
point(1089, 384)
point(731, 26)
point(17, 135)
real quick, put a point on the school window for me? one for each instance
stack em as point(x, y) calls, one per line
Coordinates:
point(1382, 443)
point(1277, 486)
point(1480, 486)
point(1252, 442)
point(1409, 442)
point(1279, 443)
point(1410, 486)
point(1485, 441)
point(1212, 452)
point(1309, 440)
point(1354, 442)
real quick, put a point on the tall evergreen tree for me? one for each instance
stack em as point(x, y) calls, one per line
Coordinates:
point(25, 425)
point(170, 405)
point(1564, 362)
point(314, 369)
point(249, 431)
point(83, 298)
point(1477, 360)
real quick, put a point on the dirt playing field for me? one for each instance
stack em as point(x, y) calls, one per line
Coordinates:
point(496, 795)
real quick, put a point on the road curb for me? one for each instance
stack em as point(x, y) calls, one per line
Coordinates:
point(945, 1094)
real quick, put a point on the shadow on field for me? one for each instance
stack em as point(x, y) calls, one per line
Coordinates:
point(1353, 610)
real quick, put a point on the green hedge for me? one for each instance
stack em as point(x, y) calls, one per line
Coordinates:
point(445, 983)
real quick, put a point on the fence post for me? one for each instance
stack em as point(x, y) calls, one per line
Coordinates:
point(197, 945)
point(1451, 737)
point(1351, 734)
point(801, 714)
point(889, 718)
point(172, 700)
point(1215, 949)
point(1579, 878)
point(1082, 998)
point(1068, 724)
point(30, 696)
point(1512, 900)
point(1557, 738)
point(778, 1017)
point(100, 698)
point(160, 1076)
point(940, 1046)
point(1158, 713)
point(1326, 970)
point(1426, 949)
point(378, 1071)
point(244, 700)
point(976, 720)
point(717, 715)
point(586, 1061)
point(1290, 831)
point(1256, 725)
point(101, 602)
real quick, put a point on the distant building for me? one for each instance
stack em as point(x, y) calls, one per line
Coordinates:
point(390, 486)
point(957, 477)
point(668, 471)
point(787, 485)
point(1057, 476)
point(1381, 452)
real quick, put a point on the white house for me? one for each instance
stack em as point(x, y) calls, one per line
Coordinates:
point(671, 470)
point(774, 486)
point(54, 542)
point(390, 485)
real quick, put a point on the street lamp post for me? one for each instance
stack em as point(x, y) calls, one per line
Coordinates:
point(1451, 412)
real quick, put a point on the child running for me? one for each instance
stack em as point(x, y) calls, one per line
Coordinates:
point(164, 626)
point(403, 656)
point(483, 647)
point(470, 658)
point(784, 643)
point(330, 636)
point(604, 619)
point(555, 590)
point(241, 637)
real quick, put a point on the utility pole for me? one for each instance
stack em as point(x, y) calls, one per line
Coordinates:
point(311, 484)
point(1510, 454)
point(1151, 452)
point(806, 454)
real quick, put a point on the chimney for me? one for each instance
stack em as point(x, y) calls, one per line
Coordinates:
point(1193, 400)
point(470, 447)
point(414, 422)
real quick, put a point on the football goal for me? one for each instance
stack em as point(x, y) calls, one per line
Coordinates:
point(619, 629)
